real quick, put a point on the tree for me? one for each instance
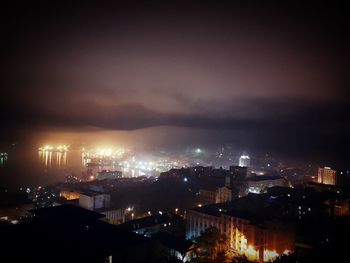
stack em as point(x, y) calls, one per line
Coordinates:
point(240, 259)
point(212, 246)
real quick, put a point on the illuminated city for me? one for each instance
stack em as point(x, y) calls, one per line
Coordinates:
point(128, 162)
point(175, 132)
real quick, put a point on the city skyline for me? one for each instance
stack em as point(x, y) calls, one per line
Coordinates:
point(174, 131)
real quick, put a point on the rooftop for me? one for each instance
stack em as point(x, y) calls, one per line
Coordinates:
point(177, 243)
point(253, 207)
point(214, 209)
point(91, 193)
point(64, 213)
point(147, 221)
point(263, 178)
point(69, 233)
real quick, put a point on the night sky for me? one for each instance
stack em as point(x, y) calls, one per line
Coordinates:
point(262, 76)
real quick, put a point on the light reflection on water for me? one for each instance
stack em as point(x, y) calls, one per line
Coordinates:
point(58, 160)
point(113, 165)
point(3, 160)
point(49, 158)
point(27, 167)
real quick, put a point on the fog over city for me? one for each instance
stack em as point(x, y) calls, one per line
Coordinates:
point(268, 78)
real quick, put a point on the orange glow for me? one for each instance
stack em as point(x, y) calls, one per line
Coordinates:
point(69, 195)
point(243, 247)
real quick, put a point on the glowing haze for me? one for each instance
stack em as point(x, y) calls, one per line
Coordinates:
point(264, 77)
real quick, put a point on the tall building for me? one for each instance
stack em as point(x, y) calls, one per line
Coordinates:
point(244, 161)
point(327, 175)
point(236, 176)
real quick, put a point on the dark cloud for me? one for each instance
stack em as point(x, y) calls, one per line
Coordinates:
point(272, 75)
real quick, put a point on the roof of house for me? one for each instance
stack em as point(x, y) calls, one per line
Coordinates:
point(179, 244)
point(264, 178)
point(253, 207)
point(70, 233)
point(91, 193)
point(148, 221)
point(64, 213)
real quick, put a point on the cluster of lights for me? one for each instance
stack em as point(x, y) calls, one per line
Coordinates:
point(58, 148)
point(254, 190)
point(258, 172)
point(122, 157)
point(105, 153)
point(62, 148)
point(245, 157)
point(42, 197)
point(159, 165)
point(46, 148)
point(149, 166)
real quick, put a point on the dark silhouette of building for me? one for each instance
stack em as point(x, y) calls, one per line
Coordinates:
point(70, 233)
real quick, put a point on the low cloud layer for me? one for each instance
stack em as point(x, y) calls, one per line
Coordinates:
point(268, 73)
